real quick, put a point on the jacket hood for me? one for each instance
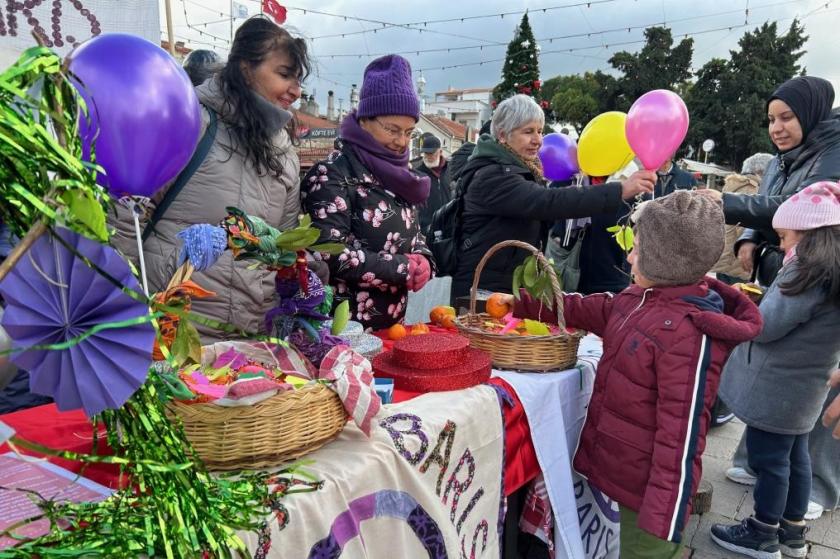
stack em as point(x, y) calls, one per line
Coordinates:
point(210, 95)
point(718, 310)
point(488, 151)
point(826, 133)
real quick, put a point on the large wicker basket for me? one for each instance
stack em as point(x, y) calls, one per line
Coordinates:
point(282, 428)
point(521, 353)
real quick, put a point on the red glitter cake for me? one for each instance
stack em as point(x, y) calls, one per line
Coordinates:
point(433, 363)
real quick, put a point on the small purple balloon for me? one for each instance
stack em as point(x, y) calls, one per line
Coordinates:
point(558, 155)
point(145, 118)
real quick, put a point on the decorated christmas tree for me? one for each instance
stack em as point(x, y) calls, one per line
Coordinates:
point(521, 72)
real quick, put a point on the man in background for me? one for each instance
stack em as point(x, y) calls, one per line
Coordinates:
point(434, 165)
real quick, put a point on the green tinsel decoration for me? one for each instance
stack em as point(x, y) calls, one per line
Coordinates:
point(173, 507)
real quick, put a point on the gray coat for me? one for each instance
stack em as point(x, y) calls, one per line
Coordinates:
point(243, 296)
point(777, 382)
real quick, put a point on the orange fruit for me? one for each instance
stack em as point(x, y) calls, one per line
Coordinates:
point(496, 306)
point(419, 329)
point(448, 321)
point(439, 313)
point(397, 332)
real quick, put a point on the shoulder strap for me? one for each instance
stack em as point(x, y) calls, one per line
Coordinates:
point(195, 162)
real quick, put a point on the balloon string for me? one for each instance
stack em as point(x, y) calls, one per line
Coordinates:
point(135, 212)
point(65, 307)
point(44, 275)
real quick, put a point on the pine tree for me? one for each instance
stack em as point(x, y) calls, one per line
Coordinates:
point(728, 102)
point(521, 72)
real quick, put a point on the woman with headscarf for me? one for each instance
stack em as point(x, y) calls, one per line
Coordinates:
point(364, 196)
point(506, 197)
point(807, 139)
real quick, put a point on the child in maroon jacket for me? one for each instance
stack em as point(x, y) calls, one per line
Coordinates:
point(666, 339)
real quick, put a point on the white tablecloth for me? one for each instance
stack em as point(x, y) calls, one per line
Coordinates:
point(556, 404)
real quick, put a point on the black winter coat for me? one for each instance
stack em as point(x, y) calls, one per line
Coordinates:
point(459, 160)
point(673, 180)
point(503, 202)
point(816, 159)
point(349, 205)
point(439, 194)
point(603, 263)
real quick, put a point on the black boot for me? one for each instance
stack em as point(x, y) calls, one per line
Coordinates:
point(751, 538)
point(792, 539)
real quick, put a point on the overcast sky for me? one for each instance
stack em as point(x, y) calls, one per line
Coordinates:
point(702, 20)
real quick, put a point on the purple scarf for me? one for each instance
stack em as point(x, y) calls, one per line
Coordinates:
point(390, 169)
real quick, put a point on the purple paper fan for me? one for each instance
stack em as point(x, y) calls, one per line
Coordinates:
point(53, 296)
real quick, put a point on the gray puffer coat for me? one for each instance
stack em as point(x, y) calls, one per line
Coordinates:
point(777, 381)
point(224, 179)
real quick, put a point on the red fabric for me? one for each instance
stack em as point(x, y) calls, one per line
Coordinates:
point(71, 431)
point(642, 441)
point(275, 10)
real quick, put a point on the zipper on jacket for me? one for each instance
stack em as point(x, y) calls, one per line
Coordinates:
point(749, 352)
point(626, 318)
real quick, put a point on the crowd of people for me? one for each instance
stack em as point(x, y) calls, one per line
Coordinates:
point(673, 335)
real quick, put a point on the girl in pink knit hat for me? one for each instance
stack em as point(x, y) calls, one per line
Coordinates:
point(777, 383)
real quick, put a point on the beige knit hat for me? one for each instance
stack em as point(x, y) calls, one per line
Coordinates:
point(678, 237)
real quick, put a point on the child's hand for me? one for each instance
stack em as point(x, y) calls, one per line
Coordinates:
point(832, 413)
point(506, 299)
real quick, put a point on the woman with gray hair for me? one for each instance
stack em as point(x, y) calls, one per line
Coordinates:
point(729, 267)
point(505, 196)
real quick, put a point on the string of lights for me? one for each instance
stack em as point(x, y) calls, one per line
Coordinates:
point(626, 43)
point(586, 34)
point(415, 25)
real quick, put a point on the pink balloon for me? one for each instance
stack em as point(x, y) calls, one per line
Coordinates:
point(656, 126)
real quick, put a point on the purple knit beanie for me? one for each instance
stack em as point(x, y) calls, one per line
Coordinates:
point(387, 89)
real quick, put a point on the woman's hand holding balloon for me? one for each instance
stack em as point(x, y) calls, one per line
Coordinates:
point(640, 182)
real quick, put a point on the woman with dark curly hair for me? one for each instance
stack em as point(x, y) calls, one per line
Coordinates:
point(251, 165)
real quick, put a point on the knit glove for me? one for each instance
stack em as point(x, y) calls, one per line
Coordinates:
point(419, 272)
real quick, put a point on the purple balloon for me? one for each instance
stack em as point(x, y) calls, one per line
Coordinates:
point(145, 119)
point(559, 157)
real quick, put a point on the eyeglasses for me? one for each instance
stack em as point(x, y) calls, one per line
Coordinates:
point(395, 132)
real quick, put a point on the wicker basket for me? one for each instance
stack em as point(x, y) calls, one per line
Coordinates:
point(284, 427)
point(523, 353)
point(281, 428)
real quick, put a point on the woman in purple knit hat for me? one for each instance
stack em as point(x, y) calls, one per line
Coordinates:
point(364, 195)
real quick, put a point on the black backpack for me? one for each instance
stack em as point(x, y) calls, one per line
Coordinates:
point(444, 234)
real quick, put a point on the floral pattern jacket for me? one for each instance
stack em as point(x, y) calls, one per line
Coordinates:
point(378, 228)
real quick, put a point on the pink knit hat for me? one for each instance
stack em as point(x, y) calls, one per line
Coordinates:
point(815, 206)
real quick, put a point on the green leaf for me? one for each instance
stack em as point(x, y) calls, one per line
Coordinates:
point(298, 238)
point(187, 344)
point(517, 280)
point(625, 238)
point(530, 274)
point(329, 248)
point(536, 328)
point(340, 318)
point(83, 209)
point(614, 229)
point(305, 220)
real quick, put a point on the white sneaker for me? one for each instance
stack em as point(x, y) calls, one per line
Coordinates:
point(815, 510)
point(740, 475)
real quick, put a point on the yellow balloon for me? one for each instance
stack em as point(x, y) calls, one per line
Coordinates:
point(603, 147)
